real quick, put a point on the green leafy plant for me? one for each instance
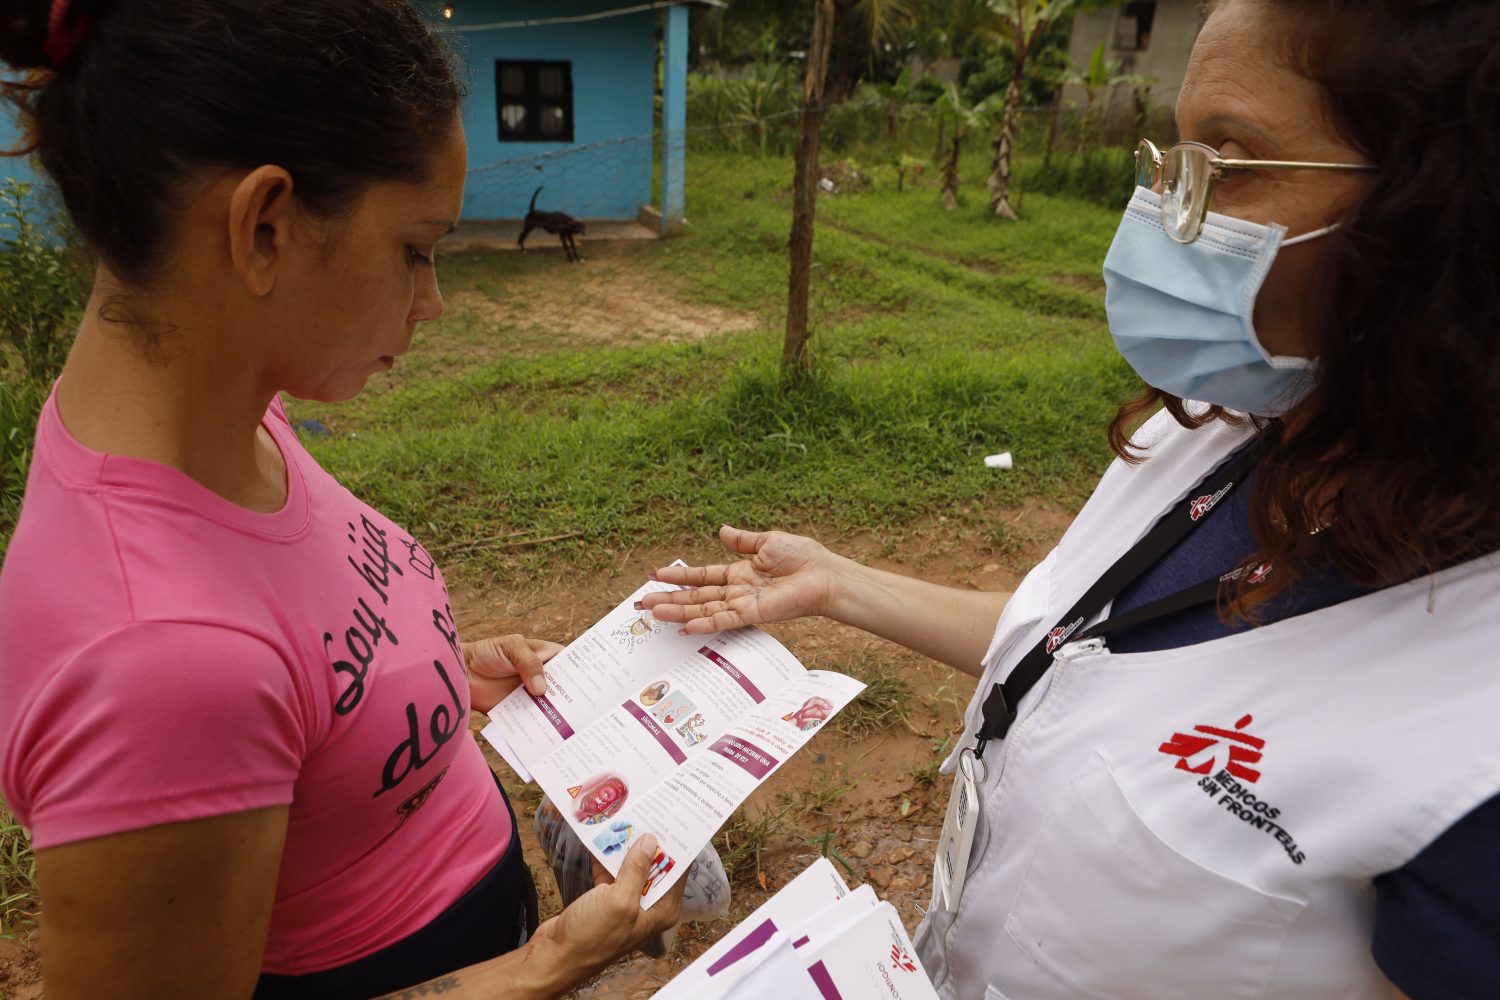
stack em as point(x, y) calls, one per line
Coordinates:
point(43, 286)
point(824, 843)
point(963, 117)
point(1102, 74)
point(18, 895)
point(927, 773)
point(1103, 176)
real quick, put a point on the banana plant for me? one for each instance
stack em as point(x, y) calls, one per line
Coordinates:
point(963, 118)
point(1023, 22)
point(1101, 75)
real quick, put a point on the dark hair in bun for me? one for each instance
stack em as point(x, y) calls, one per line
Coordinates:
point(23, 33)
point(342, 93)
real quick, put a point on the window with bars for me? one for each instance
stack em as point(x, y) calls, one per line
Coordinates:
point(534, 100)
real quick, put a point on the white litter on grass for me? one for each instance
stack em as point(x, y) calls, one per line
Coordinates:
point(1000, 461)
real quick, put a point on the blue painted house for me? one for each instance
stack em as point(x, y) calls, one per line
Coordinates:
point(562, 95)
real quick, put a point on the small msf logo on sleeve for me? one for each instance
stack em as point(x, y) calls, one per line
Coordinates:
point(1202, 505)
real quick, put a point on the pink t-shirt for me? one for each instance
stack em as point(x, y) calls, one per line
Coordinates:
point(168, 655)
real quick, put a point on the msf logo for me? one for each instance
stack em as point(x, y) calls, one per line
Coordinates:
point(901, 960)
point(1059, 635)
point(1199, 751)
point(1202, 505)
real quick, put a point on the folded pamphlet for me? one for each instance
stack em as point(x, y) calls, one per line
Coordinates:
point(812, 939)
point(805, 897)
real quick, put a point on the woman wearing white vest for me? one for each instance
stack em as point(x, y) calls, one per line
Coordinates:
point(1235, 737)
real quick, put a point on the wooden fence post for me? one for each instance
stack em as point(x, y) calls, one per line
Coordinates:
point(805, 191)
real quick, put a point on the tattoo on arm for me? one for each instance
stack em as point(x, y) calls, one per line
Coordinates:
point(431, 988)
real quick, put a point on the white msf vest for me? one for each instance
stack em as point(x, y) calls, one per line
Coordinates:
point(1205, 822)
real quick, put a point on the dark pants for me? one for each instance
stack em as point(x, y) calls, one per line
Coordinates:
point(494, 917)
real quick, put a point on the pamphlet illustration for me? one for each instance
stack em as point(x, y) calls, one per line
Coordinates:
point(813, 713)
point(634, 633)
point(667, 735)
point(599, 798)
point(615, 838)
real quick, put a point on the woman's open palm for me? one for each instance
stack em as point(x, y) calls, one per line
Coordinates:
point(786, 576)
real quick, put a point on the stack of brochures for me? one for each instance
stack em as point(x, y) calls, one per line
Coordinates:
point(646, 730)
point(813, 940)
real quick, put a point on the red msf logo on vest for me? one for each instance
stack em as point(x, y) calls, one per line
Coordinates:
point(1202, 505)
point(1199, 751)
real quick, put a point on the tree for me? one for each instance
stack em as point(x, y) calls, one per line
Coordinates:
point(879, 22)
point(1023, 22)
point(1099, 77)
point(874, 33)
point(963, 116)
point(1102, 74)
point(794, 359)
point(892, 97)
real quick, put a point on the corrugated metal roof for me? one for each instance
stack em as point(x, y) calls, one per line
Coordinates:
point(625, 8)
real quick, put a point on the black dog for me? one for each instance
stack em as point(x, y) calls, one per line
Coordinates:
point(559, 224)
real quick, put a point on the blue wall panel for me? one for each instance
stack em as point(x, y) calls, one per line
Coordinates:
point(44, 199)
point(605, 173)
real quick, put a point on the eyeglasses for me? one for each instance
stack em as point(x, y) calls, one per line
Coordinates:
point(1185, 173)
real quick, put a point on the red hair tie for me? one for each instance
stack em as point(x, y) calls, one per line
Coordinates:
point(62, 38)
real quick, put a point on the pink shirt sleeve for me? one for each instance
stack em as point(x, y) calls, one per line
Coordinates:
point(158, 722)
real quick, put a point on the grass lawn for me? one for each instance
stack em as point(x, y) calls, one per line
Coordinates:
point(940, 337)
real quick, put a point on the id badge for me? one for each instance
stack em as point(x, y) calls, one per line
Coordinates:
point(958, 829)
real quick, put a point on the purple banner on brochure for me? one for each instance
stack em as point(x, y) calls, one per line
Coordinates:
point(735, 674)
point(752, 941)
point(824, 982)
point(553, 715)
point(667, 743)
point(752, 758)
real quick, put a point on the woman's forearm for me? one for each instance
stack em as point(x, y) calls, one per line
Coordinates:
point(950, 625)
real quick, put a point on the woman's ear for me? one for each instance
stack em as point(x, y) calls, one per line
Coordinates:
point(262, 212)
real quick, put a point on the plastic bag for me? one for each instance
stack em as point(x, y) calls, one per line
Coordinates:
point(705, 898)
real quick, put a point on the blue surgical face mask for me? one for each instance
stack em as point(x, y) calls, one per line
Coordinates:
point(1182, 315)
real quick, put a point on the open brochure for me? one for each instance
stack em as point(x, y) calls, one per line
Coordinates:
point(813, 940)
point(645, 730)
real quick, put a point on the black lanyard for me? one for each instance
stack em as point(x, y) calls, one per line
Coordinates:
point(1176, 524)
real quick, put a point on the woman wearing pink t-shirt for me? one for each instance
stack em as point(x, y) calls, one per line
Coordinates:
point(233, 698)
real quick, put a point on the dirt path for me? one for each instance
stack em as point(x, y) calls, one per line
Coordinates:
point(615, 296)
point(872, 796)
